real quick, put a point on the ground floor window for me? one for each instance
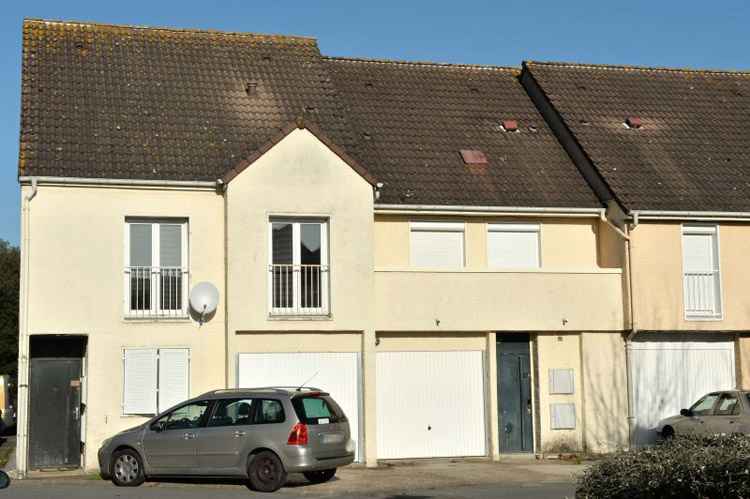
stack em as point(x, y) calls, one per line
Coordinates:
point(154, 379)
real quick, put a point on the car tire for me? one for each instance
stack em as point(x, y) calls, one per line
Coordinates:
point(266, 472)
point(127, 468)
point(320, 476)
point(667, 433)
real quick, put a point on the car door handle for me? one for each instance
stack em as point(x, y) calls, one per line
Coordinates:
point(239, 433)
point(188, 436)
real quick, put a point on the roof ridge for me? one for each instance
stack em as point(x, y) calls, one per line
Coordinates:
point(422, 63)
point(307, 39)
point(626, 67)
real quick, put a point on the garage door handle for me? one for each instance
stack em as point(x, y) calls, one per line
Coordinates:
point(239, 433)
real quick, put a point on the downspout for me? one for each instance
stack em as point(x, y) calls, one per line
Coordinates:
point(221, 188)
point(23, 336)
point(632, 329)
point(631, 335)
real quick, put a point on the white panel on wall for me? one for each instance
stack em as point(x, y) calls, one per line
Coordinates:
point(562, 416)
point(561, 381)
point(430, 404)
point(672, 375)
point(513, 245)
point(139, 376)
point(437, 245)
point(174, 376)
point(336, 373)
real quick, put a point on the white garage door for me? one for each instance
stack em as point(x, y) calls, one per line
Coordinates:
point(430, 404)
point(336, 373)
point(672, 375)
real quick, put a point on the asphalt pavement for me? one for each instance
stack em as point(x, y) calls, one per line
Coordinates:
point(96, 489)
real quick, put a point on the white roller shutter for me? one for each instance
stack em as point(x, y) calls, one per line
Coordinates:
point(437, 245)
point(140, 378)
point(430, 404)
point(174, 376)
point(338, 373)
point(513, 246)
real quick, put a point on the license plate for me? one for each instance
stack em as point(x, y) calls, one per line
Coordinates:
point(332, 438)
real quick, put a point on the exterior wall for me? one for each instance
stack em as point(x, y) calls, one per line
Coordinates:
point(743, 361)
point(574, 291)
point(605, 393)
point(300, 176)
point(75, 245)
point(558, 351)
point(656, 253)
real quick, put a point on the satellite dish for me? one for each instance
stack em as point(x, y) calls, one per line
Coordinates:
point(204, 298)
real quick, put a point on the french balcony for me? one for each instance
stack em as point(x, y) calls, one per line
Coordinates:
point(154, 292)
point(298, 290)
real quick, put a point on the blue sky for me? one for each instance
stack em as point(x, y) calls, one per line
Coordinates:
point(680, 33)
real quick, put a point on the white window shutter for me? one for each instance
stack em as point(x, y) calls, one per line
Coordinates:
point(513, 246)
point(139, 390)
point(437, 245)
point(698, 252)
point(174, 376)
point(561, 381)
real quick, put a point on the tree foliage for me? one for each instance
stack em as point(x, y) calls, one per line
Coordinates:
point(10, 265)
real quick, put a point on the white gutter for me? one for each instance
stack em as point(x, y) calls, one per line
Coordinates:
point(422, 209)
point(122, 182)
point(689, 215)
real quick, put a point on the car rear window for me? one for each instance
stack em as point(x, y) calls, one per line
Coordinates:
point(315, 410)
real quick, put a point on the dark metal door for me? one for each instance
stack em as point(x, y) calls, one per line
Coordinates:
point(514, 396)
point(55, 413)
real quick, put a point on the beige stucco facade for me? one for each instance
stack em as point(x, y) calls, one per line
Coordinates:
point(74, 242)
point(656, 253)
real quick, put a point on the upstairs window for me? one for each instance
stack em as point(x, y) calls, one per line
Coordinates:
point(513, 246)
point(437, 245)
point(156, 268)
point(298, 267)
point(701, 277)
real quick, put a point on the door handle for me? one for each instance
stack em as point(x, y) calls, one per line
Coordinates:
point(239, 433)
point(188, 436)
point(77, 412)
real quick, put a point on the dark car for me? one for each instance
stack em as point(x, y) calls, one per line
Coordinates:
point(260, 434)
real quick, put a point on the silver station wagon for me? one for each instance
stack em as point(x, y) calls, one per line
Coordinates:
point(715, 413)
point(260, 434)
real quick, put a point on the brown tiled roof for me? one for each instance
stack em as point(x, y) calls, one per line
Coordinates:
point(129, 102)
point(142, 103)
point(411, 120)
point(691, 151)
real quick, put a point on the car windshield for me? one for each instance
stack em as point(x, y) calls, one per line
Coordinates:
point(315, 410)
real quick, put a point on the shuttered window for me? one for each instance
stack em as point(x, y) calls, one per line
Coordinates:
point(562, 416)
point(437, 245)
point(154, 379)
point(513, 246)
point(701, 277)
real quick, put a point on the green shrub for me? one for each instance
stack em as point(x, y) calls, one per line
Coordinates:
point(684, 467)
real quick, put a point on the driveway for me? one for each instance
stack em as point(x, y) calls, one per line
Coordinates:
point(415, 480)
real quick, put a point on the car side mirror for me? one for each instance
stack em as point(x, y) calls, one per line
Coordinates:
point(686, 412)
point(157, 426)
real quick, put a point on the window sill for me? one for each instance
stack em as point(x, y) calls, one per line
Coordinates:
point(704, 318)
point(149, 319)
point(272, 317)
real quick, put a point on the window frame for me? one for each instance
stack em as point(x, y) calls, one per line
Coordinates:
point(156, 393)
point(325, 271)
point(156, 311)
point(515, 227)
point(713, 231)
point(434, 226)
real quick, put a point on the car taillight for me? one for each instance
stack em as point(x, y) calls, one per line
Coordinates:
point(298, 436)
